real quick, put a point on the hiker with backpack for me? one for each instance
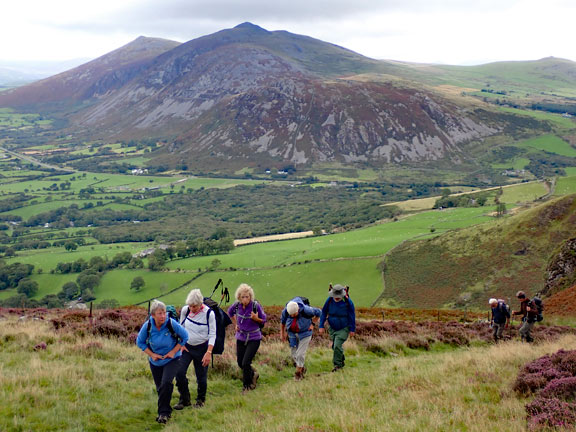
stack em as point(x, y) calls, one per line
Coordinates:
point(500, 318)
point(530, 314)
point(297, 326)
point(339, 311)
point(162, 339)
point(200, 323)
point(249, 318)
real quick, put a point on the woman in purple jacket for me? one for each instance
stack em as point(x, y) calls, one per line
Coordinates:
point(249, 318)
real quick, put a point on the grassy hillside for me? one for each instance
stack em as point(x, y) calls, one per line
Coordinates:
point(471, 265)
point(277, 270)
point(93, 383)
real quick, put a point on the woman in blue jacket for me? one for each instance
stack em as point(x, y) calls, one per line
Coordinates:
point(339, 310)
point(297, 326)
point(162, 339)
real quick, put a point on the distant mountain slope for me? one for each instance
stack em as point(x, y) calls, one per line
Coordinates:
point(247, 96)
point(89, 80)
point(471, 265)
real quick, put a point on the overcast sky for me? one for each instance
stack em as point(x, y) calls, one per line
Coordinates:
point(425, 31)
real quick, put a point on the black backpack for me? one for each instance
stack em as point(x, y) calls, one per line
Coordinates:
point(222, 321)
point(537, 304)
point(305, 301)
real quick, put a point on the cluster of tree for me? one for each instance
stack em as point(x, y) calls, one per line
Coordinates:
point(468, 200)
point(549, 165)
point(99, 264)
point(192, 247)
point(63, 216)
point(14, 202)
point(12, 274)
point(23, 301)
point(246, 211)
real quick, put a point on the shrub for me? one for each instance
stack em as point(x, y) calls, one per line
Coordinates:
point(563, 388)
point(542, 412)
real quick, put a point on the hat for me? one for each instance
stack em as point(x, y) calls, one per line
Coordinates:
point(492, 301)
point(338, 292)
point(521, 294)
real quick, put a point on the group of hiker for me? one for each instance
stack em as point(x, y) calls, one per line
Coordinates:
point(172, 345)
point(530, 312)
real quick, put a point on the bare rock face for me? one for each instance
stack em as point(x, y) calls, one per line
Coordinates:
point(561, 270)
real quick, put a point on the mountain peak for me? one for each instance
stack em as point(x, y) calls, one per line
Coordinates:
point(250, 26)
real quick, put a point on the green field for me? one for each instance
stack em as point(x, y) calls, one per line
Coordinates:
point(47, 259)
point(550, 144)
point(304, 266)
point(515, 164)
point(565, 186)
point(277, 286)
point(523, 192)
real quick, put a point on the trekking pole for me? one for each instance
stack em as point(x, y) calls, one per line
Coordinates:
point(215, 287)
point(225, 295)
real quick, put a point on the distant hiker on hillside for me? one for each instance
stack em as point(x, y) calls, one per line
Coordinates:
point(200, 323)
point(528, 316)
point(339, 310)
point(500, 317)
point(296, 326)
point(249, 318)
point(162, 338)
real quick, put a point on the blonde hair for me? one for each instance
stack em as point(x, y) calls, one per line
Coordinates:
point(195, 297)
point(244, 289)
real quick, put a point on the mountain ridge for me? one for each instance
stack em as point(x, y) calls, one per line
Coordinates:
point(247, 96)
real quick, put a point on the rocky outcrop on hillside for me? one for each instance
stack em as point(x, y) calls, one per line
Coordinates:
point(561, 270)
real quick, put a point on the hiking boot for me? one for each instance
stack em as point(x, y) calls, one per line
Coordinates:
point(162, 419)
point(199, 404)
point(248, 389)
point(180, 405)
point(298, 375)
point(255, 379)
point(336, 368)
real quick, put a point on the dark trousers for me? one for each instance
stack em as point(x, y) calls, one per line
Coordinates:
point(194, 354)
point(164, 378)
point(245, 353)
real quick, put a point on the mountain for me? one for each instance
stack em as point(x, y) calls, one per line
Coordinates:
point(247, 96)
point(89, 80)
point(530, 251)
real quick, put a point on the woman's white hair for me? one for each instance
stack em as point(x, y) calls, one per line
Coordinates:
point(292, 308)
point(156, 304)
point(244, 289)
point(195, 297)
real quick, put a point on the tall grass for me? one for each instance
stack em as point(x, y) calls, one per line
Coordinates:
point(87, 383)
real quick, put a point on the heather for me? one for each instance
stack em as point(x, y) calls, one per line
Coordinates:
point(67, 371)
point(552, 379)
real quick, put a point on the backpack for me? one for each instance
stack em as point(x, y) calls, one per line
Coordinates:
point(304, 301)
point(171, 312)
point(536, 304)
point(222, 321)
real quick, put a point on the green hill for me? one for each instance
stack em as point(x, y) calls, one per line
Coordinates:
point(468, 266)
